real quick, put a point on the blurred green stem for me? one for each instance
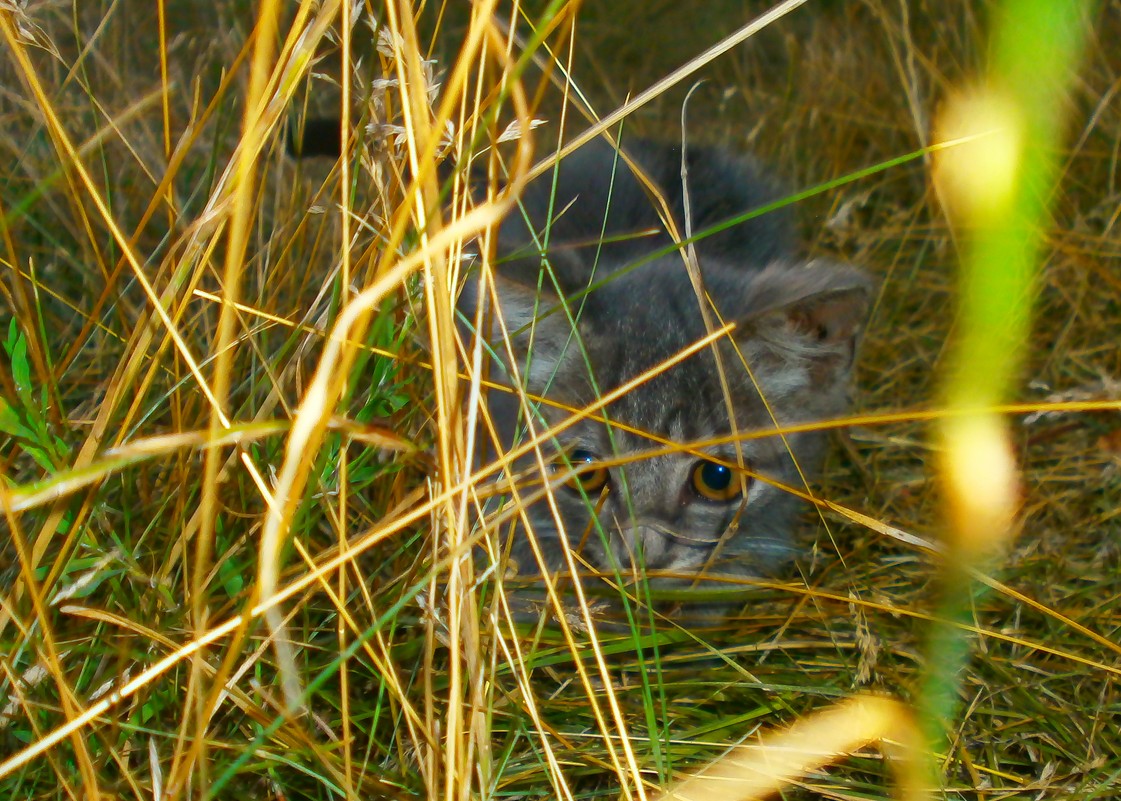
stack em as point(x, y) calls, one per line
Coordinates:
point(998, 195)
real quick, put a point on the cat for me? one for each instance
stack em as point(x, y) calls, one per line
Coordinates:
point(651, 491)
point(592, 295)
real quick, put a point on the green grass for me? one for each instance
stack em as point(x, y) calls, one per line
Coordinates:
point(136, 527)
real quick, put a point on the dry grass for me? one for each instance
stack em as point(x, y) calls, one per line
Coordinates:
point(183, 281)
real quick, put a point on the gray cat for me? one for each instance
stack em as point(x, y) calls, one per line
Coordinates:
point(631, 509)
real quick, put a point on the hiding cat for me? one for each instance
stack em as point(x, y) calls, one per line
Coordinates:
point(677, 482)
point(675, 479)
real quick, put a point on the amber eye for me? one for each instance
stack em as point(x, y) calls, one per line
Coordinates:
point(716, 482)
point(591, 476)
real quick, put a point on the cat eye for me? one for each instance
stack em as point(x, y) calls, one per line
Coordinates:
point(716, 482)
point(591, 476)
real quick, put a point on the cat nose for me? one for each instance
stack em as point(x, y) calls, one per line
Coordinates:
point(652, 547)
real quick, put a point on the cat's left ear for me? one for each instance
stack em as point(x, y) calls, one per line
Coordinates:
point(541, 335)
point(811, 312)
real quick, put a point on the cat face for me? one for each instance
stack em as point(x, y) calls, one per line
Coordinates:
point(653, 485)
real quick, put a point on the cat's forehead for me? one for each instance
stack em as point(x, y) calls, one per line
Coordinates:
point(668, 395)
point(684, 402)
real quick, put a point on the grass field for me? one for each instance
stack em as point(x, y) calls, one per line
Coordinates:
point(237, 513)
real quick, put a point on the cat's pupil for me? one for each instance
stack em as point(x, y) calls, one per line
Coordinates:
point(581, 456)
point(716, 476)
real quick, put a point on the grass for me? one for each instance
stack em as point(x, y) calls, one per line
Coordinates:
point(198, 323)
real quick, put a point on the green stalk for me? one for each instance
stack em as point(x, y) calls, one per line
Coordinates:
point(997, 188)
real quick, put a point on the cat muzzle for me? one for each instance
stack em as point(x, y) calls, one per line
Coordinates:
point(657, 546)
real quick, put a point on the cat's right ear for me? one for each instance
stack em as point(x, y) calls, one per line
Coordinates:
point(809, 318)
point(534, 322)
